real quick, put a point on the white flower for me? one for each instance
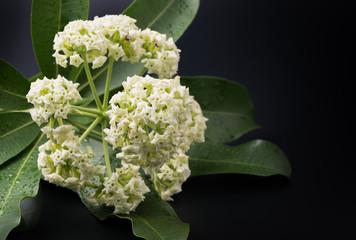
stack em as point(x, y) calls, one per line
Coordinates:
point(153, 119)
point(62, 162)
point(169, 178)
point(76, 60)
point(79, 38)
point(125, 189)
point(51, 97)
point(116, 51)
point(99, 61)
point(124, 37)
point(162, 55)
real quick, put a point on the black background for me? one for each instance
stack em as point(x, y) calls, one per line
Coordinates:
point(295, 58)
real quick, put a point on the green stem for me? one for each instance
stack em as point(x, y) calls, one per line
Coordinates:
point(80, 113)
point(92, 185)
point(91, 84)
point(81, 126)
point(51, 122)
point(108, 79)
point(90, 128)
point(106, 151)
point(60, 122)
point(88, 110)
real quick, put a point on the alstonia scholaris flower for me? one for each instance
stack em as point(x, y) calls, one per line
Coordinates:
point(79, 39)
point(153, 119)
point(169, 178)
point(162, 55)
point(51, 97)
point(123, 35)
point(61, 160)
point(125, 189)
point(119, 37)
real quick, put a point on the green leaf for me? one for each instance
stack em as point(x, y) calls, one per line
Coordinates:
point(257, 157)
point(225, 103)
point(17, 129)
point(19, 178)
point(171, 17)
point(48, 18)
point(13, 88)
point(155, 219)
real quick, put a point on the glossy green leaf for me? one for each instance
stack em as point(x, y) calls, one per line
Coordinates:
point(257, 157)
point(171, 17)
point(48, 18)
point(19, 178)
point(225, 103)
point(155, 219)
point(17, 129)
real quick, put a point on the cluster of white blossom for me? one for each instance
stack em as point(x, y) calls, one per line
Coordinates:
point(152, 120)
point(162, 55)
point(125, 189)
point(124, 37)
point(51, 97)
point(119, 37)
point(61, 160)
point(169, 178)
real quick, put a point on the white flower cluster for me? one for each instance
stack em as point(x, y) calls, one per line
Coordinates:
point(125, 189)
point(119, 37)
point(152, 120)
point(162, 55)
point(61, 160)
point(123, 37)
point(51, 97)
point(169, 178)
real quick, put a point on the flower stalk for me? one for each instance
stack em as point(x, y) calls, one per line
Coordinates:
point(90, 128)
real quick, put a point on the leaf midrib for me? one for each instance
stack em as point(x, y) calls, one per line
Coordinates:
point(149, 225)
point(59, 28)
point(230, 162)
point(160, 15)
point(225, 113)
point(12, 93)
point(18, 174)
point(16, 129)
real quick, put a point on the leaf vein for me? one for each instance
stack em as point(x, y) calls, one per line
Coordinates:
point(16, 129)
point(160, 14)
point(225, 113)
point(18, 174)
point(147, 223)
point(229, 162)
point(12, 93)
point(59, 27)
